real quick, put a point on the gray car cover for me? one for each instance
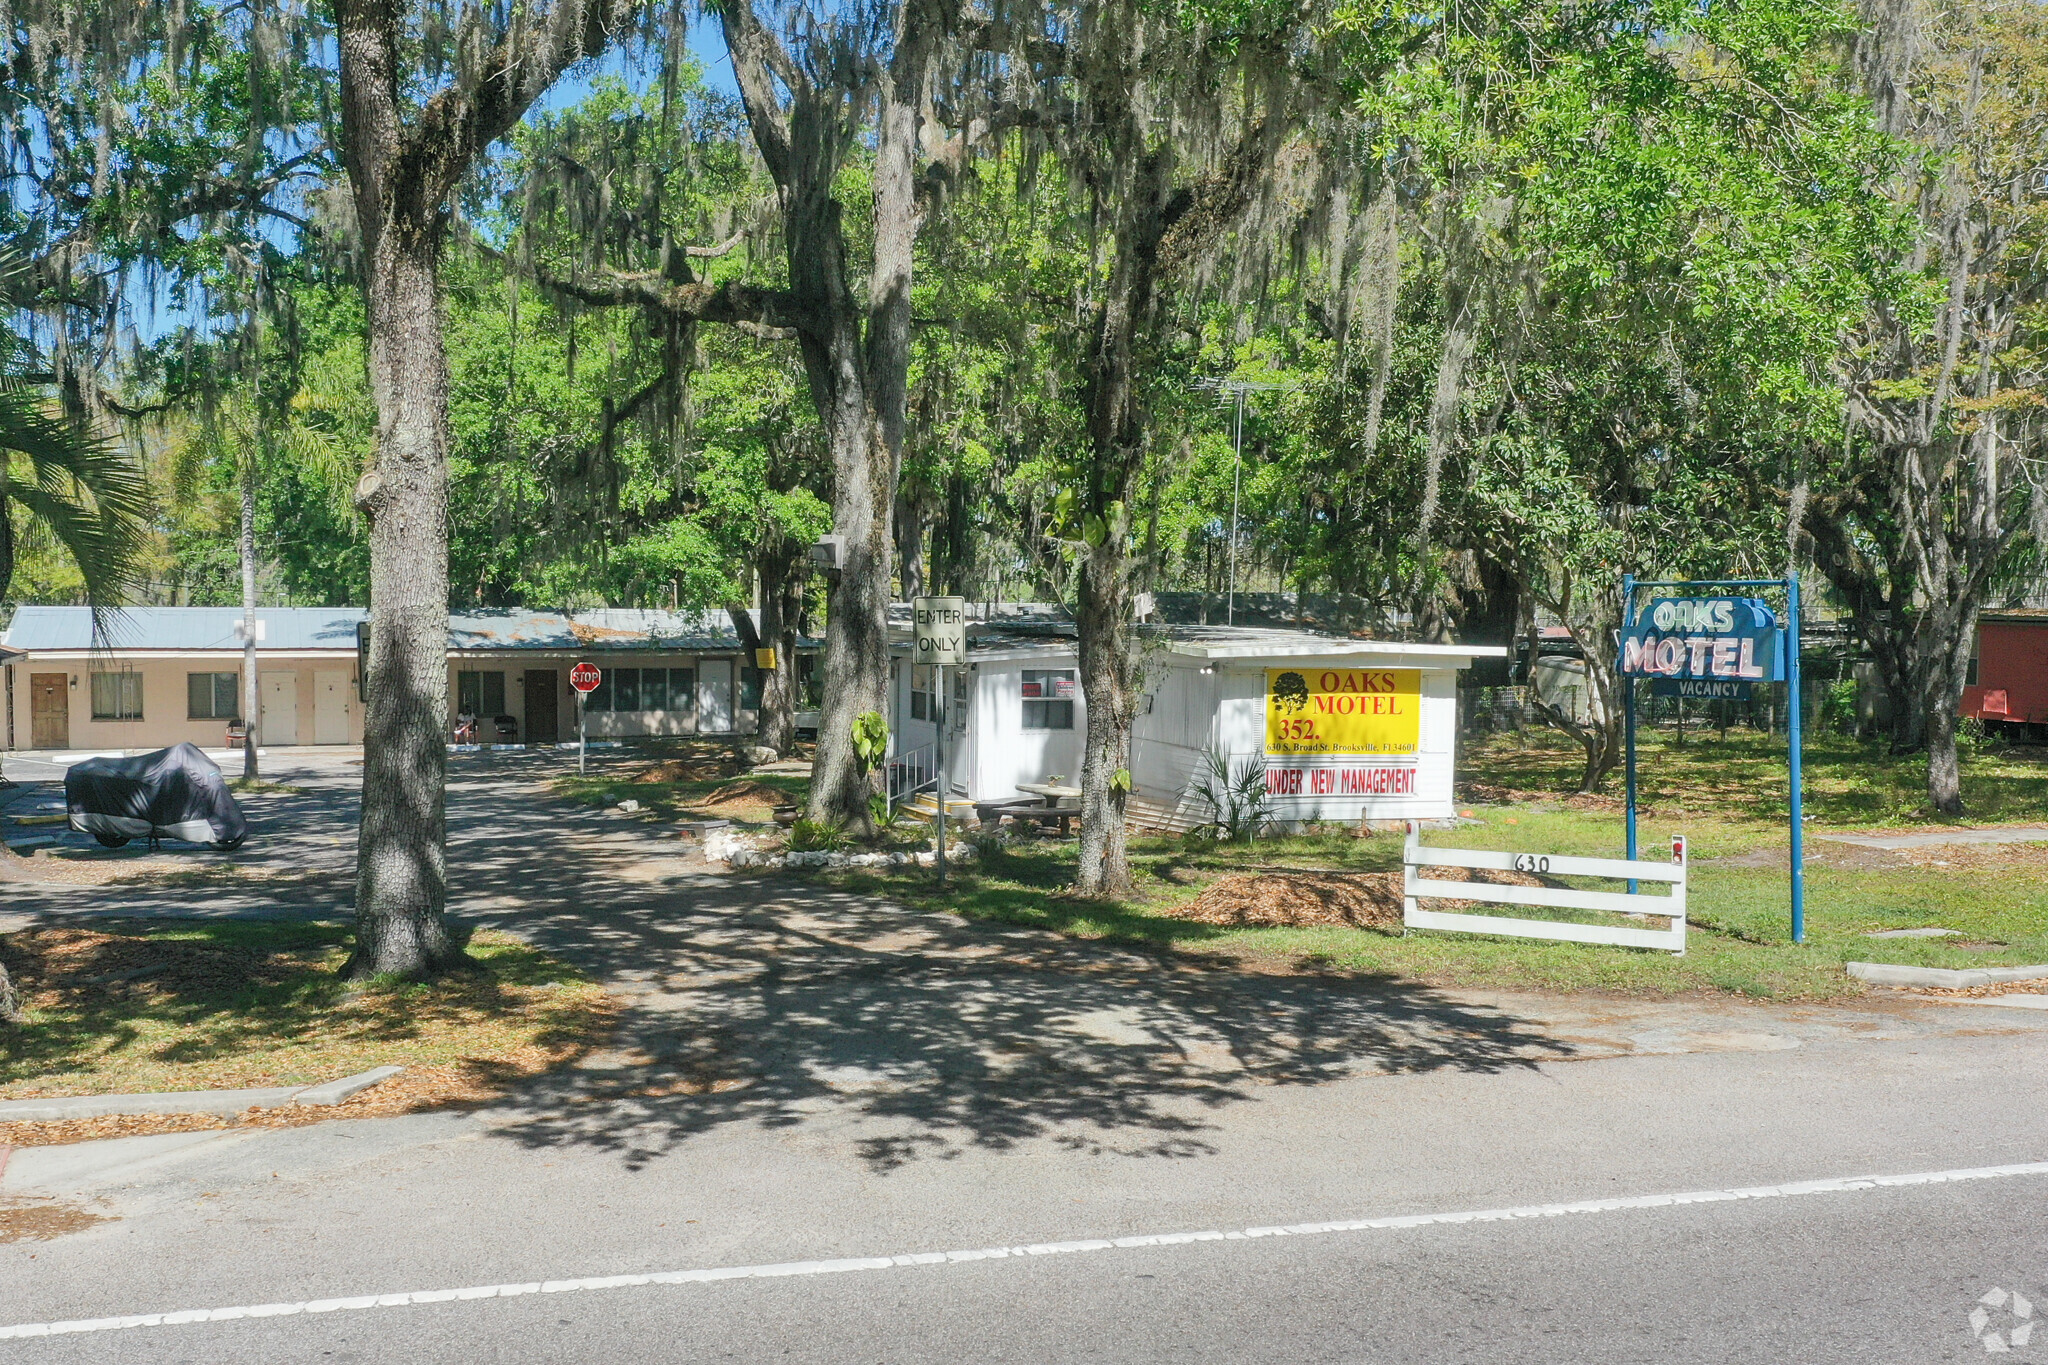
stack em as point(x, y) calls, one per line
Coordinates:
point(175, 793)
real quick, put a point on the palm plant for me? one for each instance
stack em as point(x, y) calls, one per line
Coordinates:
point(72, 486)
point(78, 489)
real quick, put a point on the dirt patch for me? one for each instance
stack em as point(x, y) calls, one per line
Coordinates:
point(683, 770)
point(1303, 900)
point(448, 1085)
point(113, 1013)
point(745, 799)
point(2038, 986)
point(40, 1220)
point(56, 968)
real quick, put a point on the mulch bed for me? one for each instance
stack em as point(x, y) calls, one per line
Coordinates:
point(1306, 900)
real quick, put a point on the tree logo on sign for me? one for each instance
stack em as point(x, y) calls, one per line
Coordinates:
point(1290, 691)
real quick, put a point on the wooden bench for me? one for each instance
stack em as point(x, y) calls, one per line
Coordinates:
point(989, 814)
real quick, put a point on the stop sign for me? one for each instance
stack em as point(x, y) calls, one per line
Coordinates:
point(585, 677)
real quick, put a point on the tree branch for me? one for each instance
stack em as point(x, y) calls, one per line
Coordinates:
point(754, 52)
point(458, 123)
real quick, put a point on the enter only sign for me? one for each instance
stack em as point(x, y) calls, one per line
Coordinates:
point(941, 629)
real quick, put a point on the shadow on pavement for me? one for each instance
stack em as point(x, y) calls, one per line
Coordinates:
point(913, 1036)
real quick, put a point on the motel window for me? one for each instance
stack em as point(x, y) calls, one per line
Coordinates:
point(480, 694)
point(809, 693)
point(923, 692)
point(1970, 674)
point(645, 689)
point(1049, 699)
point(117, 696)
point(750, 689)
point(211, 696)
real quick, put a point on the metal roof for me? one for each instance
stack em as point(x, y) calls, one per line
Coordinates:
point(191, 629)
point(593, 631)
point(183, 629)
point(1016, 640)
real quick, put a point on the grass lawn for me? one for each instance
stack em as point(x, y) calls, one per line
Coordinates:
point(1848, 782)
point(1729, 799)
point(147, 1006)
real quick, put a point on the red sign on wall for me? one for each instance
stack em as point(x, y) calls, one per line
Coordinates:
point(585, 677)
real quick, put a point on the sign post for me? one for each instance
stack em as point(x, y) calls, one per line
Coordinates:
point(584, 677)
point(941, 641)
point(1716, 647)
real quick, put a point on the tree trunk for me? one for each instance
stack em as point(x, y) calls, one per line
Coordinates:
point(783, 572)
point(401, 874)
point(1944, 768)
point(1103, 613)
point(252, 700)
point(10, 1003)
point(910, 562)
point(856, 677)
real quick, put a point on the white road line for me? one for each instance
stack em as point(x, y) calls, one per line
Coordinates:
point(1842, 1185)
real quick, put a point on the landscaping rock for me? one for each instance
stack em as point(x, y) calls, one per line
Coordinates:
point(743, 857)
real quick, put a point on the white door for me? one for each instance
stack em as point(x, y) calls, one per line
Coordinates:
point(332, 695)
point(714, 697)
point(280, 721)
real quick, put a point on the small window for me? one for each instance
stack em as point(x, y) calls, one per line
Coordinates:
point(682, 690)
point(117, 696)
point(211, 696)
point(1970, 673)
point(750, 689)
point(480, 694)
point(923, 692)
point(1049, 699)
point(599, 698)
point(626, 690)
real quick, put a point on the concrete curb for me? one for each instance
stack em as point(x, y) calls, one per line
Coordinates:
point(191, 1101)
point(334, 1092)
point(1893, 974)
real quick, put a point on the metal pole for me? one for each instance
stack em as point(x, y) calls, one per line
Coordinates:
point(1628, 720)
point(582, 736)
point(939, 822)
point(1236, 482)
point(1792, 733)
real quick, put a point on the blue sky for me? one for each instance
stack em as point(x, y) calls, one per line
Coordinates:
point(156, 316)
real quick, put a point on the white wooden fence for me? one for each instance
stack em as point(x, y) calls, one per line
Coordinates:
point(1415, 857)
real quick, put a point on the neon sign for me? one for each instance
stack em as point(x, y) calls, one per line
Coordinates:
point(1732, 639)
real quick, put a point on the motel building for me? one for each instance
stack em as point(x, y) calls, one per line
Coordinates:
point(158, 676)
point(1350, 729)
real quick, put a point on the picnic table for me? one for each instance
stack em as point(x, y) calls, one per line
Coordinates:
point(1053, 794)
point(1046, 811)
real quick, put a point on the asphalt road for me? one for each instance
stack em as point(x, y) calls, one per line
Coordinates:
point(913, 1087)
point(396, 1207)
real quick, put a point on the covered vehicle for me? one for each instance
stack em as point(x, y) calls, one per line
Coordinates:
point(175, 793)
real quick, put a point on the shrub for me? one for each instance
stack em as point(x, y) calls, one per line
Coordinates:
point(1235, 794)
point(816, 836)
